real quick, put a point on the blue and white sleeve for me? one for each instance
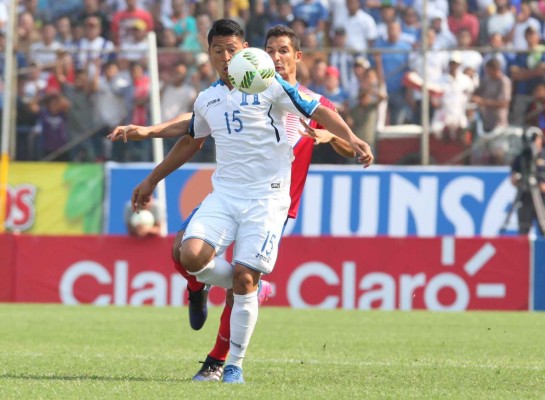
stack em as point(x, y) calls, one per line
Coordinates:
point(295, 103)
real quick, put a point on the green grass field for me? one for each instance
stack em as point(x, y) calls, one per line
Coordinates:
point(61, 352)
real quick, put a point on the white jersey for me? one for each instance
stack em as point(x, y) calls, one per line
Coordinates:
point(253, 154)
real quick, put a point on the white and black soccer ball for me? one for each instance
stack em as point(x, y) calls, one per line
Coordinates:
point(251, 70)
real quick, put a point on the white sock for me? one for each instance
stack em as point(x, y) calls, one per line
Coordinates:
point(243, 320)
point(217, 272)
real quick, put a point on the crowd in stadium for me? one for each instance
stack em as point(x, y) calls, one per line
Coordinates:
point(82, 66)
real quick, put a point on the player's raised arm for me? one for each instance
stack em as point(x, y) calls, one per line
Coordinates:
point(172, 128)
point(334, 123)
point(181, 152)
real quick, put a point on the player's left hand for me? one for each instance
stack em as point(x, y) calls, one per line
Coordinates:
point(141, 195)
point(364, 155)
point(129, 132)
point(318, 135)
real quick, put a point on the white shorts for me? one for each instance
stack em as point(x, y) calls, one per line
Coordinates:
point(254, 225)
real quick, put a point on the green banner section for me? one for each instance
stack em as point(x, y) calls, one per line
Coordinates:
point(55, 198)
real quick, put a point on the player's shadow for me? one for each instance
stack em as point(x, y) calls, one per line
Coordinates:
point(36, 377)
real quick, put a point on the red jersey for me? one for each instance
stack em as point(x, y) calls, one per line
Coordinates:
point(302, 149)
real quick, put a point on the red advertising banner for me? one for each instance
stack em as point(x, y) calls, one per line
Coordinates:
point(403, 274)
point(350, 273)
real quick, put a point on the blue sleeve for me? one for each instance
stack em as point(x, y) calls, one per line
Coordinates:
point(305, 106)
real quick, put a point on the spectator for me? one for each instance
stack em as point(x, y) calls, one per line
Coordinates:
point(342, 59)
point(91, 8)
point(198, 42)
point(168, 53)
point(493, 96)
point(527, 72)
point(315, 15)
point(124, 19)
point(502, 21)
point(27, 116)
point(256, 27)
point(538, 9)
point(26, 32)
point(283, 16)
point(523, 21)
point(180, 21)
point(64, 66)
point(536, 110)
point(410, 26)
point(444, 39)
point(317, 75)
point(205, 74)
point(139, 112)
point(44, 52)
point(460, 19)
point(361, 65)
point(239, 10)
point(435, 7)
point(177, 96)
point(472, 59)
point(496, 45)
point(450, 116)
point(361, 29)
point(35, 83)
point(391, 67)
point(64, 33)
point(93, 46)
point(19, 56)
point(79, 115)
point(53, 125)
point(111, 93)
point(387, 14)
point(436, 65)
point(364, 114)
point(135, 47)
point(333, 91)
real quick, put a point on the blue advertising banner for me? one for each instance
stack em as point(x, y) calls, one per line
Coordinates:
point(346, 201)
point(538, 267)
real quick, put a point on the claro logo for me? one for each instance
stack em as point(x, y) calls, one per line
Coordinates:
point(147, 287)
point(380, 290)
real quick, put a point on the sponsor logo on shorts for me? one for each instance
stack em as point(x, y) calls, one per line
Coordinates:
point(263, 257)
point(275, 185)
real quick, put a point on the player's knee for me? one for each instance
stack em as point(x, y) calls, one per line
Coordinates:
point(245, 280)
point(193, 256)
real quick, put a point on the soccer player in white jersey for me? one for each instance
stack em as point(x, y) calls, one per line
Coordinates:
point(250, 200)
point(283, 45)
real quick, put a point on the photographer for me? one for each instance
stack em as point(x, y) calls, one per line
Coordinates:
point(527, 166)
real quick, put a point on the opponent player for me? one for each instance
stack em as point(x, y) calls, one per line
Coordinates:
point(269, 187)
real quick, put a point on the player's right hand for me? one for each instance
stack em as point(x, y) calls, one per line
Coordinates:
point(141, 195)
point(129, 132)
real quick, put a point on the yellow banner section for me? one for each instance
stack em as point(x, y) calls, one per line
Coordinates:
point(55, 198)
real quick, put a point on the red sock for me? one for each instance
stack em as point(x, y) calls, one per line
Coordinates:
point(221, 348)
point(192, 283)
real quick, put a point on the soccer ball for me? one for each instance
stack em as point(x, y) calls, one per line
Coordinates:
point(251, 70)
point(143, 218)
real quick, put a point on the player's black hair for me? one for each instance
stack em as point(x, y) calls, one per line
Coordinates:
point(282, 30)
point(225, 27)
